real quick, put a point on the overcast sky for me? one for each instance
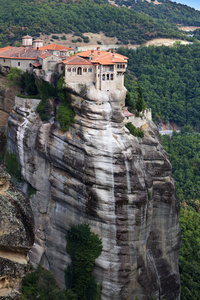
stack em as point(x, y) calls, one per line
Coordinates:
point(192, 3)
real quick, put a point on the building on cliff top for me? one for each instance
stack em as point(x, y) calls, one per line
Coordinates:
point(33, 55)
point(105, 69)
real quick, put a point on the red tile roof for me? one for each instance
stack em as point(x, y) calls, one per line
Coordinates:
point(20, 53)
point(75, 60)
point(36, 64)
point(5, 48)
point(128, 114)
point(45, 55)
point(103, 57)
point(54, 47)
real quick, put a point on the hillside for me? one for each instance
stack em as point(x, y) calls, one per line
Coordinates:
point(20, 17)
point(166, 10)
point(169, 77)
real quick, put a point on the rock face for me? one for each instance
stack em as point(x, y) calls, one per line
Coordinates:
point(121, 185)
point(7, 97)
point(16, 236)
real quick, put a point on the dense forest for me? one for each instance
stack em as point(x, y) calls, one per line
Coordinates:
point(169, 11)
point(20, 17)
point(184, 152)
point(169, 77)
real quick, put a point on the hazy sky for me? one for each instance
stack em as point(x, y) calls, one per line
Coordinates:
point(192, 3)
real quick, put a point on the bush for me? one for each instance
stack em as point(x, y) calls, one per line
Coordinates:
point(55, 37)
point(14, 76)
point(65, 116)
point(84, 247)
point(63, 37)
point(41, 284)
point(12, 165)
point(134, 131)
point(28, 84)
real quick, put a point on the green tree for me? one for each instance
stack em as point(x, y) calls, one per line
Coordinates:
point(14, 76)
point(84, 247)
point(140, 104)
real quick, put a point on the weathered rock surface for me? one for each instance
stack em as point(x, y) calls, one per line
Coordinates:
point(16, 237)
point(7, 97)
point(121, 185)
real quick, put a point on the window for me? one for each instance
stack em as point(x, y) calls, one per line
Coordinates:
point(18, 64)
point(123, 66)
point(69, 70)
point(117, 66)
point(74, 70)
point(103, 77)
point(62, 68)
point(90, 70)
point(4, 60)
point(79, 71)
point(111, 76)
point(84, 69)
point(30, 65)
point(107, 76)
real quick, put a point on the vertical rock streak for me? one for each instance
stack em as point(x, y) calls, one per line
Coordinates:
point(97, 173)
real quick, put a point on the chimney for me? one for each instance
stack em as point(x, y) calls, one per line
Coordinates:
point(109, 50)
point(92, 54)
point(113, 55)
point(98, 48)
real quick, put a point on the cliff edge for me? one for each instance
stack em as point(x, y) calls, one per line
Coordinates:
point(121, 185)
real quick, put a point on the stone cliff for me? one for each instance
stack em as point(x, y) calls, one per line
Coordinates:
point(16, 237)
point(99, 174)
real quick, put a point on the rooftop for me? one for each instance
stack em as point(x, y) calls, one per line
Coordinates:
point(19, 53)
point(54, 47)
point(103, 57)
point(75, 60)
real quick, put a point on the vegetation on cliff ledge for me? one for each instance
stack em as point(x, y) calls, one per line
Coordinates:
point(84, 247)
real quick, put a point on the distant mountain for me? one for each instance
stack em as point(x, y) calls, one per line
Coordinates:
point(19, 17)
point(166, 10)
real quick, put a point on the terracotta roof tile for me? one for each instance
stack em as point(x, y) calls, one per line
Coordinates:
point(103, 57)
point(45, 55)
point(54, 47)
point(75, 60)
point(20, 53)
point(5, 48)
point(36, 64)
point(128, 114)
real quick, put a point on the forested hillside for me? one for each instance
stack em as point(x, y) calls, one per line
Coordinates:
point(184, 153)
point(20, 17)
point(169, 11)
point(169, 77)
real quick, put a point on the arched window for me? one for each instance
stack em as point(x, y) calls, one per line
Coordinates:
point(111, 76)
point(103, 77)
point(74, 70)
point(79, 71)
point(69, 70)
point(117, 66)
point(90, 70)
point(107, 77)
point(123, 66)
point(84, 69)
